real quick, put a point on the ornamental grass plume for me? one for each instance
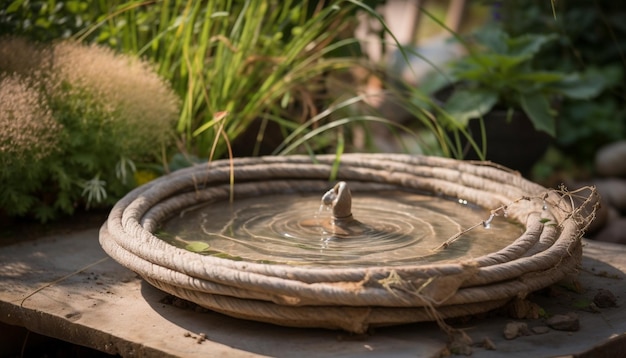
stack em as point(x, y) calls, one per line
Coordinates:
point(28, 131)
point(141, 107)
point(91, 113)
point(23, 57)
point(123, 92)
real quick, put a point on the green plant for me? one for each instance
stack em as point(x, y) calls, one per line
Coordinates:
point(29, 136)
point(106, 112)
point(591, 36)
point(500, 71)
point(259, 61)
point(47, 20)
point(265, 63)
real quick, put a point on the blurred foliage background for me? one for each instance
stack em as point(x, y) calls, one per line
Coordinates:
point(256, 77)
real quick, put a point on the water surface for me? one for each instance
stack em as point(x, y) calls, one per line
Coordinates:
point(401, 228)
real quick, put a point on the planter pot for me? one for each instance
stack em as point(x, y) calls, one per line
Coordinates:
point(513, 143)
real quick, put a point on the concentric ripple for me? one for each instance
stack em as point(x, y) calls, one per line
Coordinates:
point(396, 228)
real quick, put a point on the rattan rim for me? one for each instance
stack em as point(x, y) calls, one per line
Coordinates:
point(548, 250)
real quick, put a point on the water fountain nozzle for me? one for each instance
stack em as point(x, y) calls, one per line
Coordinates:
point(339, 198)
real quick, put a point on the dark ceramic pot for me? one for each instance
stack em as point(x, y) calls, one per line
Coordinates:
point(512, 142)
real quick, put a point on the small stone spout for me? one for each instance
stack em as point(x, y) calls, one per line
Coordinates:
point(339, 198)
point(342, 223)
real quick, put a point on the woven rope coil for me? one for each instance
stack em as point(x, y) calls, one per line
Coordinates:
point(347, 298)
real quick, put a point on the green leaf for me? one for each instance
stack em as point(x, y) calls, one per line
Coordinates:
point(528, 45)
point(76, 7)
point(537, 107)
point(64, 202)
point(539, 77)
point(219, 14)
point(197, 246)
point(20, 202)
point(43, 23)
point(14, 6)
point(88, 160)
point(499, 62)
point(585, 86)
point(433, 82)
point(464, 105)
point(494, 39)
point(44, 213)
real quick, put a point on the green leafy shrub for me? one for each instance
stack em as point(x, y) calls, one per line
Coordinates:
point(590, 36)
point(265, 63)
point(108, 112)
point(29, 136)
point(45, 20)
point(502, 72)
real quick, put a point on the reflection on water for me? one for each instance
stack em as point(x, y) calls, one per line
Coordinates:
point(400, 228)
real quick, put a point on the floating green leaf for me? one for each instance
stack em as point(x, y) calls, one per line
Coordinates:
point(197, 246)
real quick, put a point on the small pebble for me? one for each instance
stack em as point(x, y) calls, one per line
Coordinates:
point(609, 159)
point(488, 344)
point(594, 308)
point(564, 322)
point(604, 299)
point(540, 329)
point(513, 330)
point(614, 231)
point(613, 190)
point(201, 338)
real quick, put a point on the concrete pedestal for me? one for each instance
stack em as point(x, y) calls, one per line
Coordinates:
point(66, 287)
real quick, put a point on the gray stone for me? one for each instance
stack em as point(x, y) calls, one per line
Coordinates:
point(488, 344)
point(614, 231)
point(614, 191)
point(604, 299)
point(610, 160)
point(513, 330)
point(540, 329)
point(564, 322)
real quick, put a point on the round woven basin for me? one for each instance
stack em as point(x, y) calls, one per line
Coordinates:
point(349, 298)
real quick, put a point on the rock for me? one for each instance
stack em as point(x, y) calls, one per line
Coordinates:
point(614, 191)
point(564, 322)
point(460, 343)
point(460, 350)
point(540, 329)
point(513, 330)
point(610, 160)
point(613, 214)
point(614, 231)
point(593, 308)
point(604, 299)
point(488, 344)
